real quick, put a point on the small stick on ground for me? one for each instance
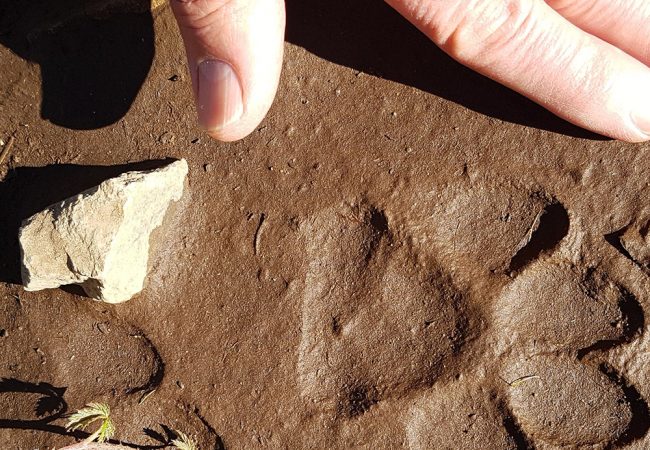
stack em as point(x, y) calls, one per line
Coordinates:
point(258, 232)
point(145, 396)
point(523, 379)
point(6, 150)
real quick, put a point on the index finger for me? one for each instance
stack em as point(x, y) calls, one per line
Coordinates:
point(529, 47)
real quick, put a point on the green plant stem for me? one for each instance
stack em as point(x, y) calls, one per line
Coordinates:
point(92, 437)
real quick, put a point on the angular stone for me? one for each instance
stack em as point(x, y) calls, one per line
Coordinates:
point(99, 239)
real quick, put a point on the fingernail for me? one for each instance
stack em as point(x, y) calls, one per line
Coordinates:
point(642, 122)
point(219, 95)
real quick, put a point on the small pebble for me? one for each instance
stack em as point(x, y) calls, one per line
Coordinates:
point(207, 167)
point(167, 138)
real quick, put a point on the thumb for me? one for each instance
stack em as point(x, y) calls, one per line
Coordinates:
point(234, 52)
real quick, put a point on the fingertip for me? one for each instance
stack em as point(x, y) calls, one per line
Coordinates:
point(641, 121)
point(634, 139)
point(225, 137)
point(626, 106)
point(234, 51)
point(232, 132)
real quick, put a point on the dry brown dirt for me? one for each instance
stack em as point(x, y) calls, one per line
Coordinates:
point(402, 255)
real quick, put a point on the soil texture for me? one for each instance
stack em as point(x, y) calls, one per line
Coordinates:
point(404, 255)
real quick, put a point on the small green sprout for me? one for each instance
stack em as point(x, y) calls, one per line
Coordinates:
point(184, 442)
point(91, 413)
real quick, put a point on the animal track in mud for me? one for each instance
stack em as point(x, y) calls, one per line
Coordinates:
point(633, 242)
point(547, 318)
point(379, 319)
point(561, 401)
point(122, 356)
point(498, 228)
point(557, 306)
point(467, 419)
point(552, 316)
point(123, 359)
point(68, 336)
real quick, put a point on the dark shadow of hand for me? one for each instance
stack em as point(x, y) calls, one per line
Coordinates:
point(94, 55)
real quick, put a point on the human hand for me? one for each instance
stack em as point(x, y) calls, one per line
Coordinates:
point(584, 60)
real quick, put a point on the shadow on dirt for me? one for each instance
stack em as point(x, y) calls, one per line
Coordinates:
point(369, 36)
point(166, 436)
point(552, 228)
point(49, 407)
point(614, 239)
point(94, 55)
point(28, 190)
point(640, 423)
point(634, 324)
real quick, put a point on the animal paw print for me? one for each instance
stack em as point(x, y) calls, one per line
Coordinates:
point(68, 335)
point(551, 316)
point(458, 416)
point(379, 318)
point(390, 305)
point(127, 373)
point(547, 318)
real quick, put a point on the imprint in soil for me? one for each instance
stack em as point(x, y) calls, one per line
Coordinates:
point(88, 334)
point(458, 416)
point(516, 224)
point(561, 401)
point(554, 305)
point(378, 319)
point(633, 242)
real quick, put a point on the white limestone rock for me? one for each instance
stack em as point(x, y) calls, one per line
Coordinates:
point(99, 239)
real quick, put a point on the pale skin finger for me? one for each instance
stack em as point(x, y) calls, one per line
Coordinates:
point(234, 48)
point(623, 23)
point(531, 48)
point(234, 53)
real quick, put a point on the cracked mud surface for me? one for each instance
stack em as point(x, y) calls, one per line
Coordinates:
point(377, 266)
